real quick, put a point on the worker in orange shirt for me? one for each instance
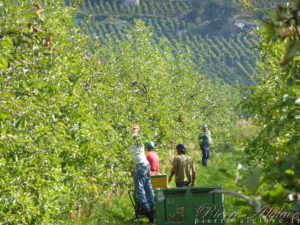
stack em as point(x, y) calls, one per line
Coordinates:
point(152, 158)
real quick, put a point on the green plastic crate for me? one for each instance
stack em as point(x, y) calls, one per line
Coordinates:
point(189, 205)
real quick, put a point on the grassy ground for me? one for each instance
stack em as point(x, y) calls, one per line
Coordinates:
point(118, 210)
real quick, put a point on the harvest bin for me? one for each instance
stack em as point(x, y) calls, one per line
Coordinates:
point(189, 205)
point(159, 181)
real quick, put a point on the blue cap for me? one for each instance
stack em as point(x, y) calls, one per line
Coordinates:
point(204, 126)
point(181, 147)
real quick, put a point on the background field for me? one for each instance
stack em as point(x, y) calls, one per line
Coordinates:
point(217, 32)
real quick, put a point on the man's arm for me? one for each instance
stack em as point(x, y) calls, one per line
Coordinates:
point(193, 177)
point(138, 140)
point(172, 173)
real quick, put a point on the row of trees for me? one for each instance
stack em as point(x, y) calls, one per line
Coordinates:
point(192, 18)
point(167, 8)
point(270, 176)
point(188, 9)
point(231, 57)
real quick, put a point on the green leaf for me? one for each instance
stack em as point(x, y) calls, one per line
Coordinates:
point(290, 81)
point(21, 123)
point(297, 169)
point(253, 180)
point(277, 193)
point(280, 13)
point(292, 48)
point(256, 10)
point(270, 29)
point(3, 63)
point(4, 116)
point(290, 172)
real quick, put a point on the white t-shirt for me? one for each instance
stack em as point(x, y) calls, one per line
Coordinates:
point(139, 154)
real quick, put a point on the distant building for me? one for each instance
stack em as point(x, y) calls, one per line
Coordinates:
point(239, 25)
point(131, 2)
point(244, 25)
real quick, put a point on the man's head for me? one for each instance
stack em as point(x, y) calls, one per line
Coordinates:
point(136, 128)
point(149, 145)
point(204, 127)
point(181, 149)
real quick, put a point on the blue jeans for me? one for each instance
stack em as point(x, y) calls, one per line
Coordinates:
point(143, 187)
point(205, 154)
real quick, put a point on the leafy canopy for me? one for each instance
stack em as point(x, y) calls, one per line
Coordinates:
point(273, 104)
point(68, 103)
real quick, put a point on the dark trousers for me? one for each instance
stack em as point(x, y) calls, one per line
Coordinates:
point(205, 154)
point(182, 184)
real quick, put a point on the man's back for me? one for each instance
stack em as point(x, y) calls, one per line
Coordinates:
point(138, 150)
point(184, 167)
point(153, 159)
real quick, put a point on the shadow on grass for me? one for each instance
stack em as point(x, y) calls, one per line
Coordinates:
point(227, 148)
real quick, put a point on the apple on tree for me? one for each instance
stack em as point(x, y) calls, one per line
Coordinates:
point(48, 38)
point(37, 6)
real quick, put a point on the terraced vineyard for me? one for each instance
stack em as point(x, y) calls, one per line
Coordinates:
point(213, 32)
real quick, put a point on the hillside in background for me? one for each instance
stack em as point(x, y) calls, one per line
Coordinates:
point(214, 30)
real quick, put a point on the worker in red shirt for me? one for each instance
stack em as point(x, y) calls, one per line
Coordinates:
point(152, 158)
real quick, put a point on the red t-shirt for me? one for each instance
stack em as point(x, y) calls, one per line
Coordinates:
point(153, 160)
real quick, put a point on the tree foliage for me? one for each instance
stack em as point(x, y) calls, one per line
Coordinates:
point(273, 103)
